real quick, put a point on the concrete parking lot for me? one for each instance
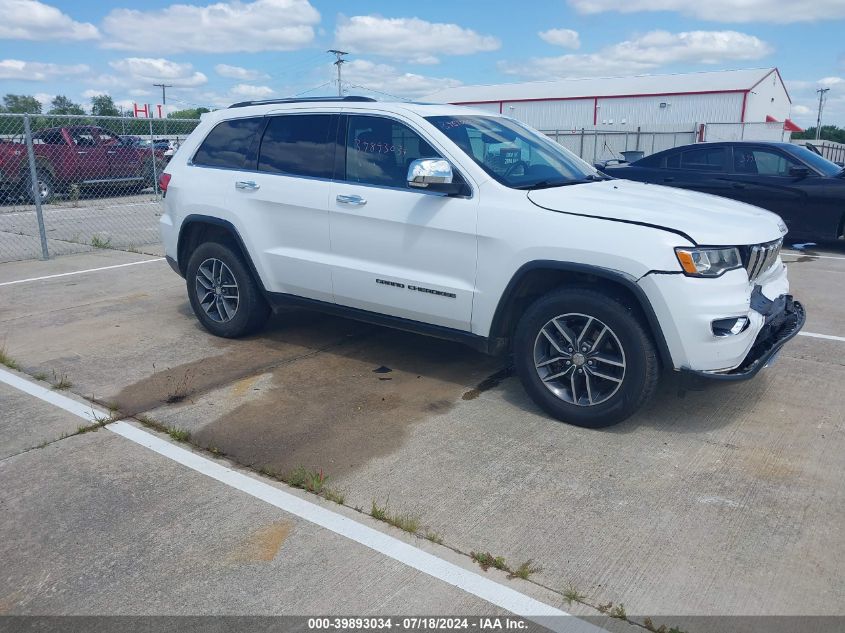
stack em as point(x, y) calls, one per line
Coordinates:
point(726, 500)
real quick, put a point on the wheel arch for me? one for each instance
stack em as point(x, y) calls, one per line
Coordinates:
point(536, 278)
point(197, 228)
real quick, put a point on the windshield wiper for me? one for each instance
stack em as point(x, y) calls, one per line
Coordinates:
point(547, 184)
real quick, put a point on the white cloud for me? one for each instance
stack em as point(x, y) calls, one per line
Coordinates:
point(566, 38)
point(827, 82)
point(248, 91)
point(645, 53)
point(409, 38)
point(800, 110)
point(157, 70)
point(94, 93)
point(236, 72)
point(385, 79)
point(139, 92)
point(223, 27)
point(33, 20)
point(726, 10)
point(37, 71)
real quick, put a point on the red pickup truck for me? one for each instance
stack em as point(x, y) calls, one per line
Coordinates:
point(82, 155)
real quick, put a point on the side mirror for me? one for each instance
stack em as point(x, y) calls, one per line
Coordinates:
point(799, 172)
point(433, 174)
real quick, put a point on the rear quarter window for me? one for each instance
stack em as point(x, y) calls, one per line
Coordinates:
point(228, 143)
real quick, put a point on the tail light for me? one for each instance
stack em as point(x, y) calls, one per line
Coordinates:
point(163, 181)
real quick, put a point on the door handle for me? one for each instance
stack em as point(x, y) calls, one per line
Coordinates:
point(246, 185)
point(737, 185)
point(81, 151)
point(111, 151)
point(357, 201)
point(670, 179)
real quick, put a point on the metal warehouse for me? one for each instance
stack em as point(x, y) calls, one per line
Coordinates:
point(751, 96)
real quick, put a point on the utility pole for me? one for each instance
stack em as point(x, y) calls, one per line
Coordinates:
point(822, 92)
point(164, 88)
point(339, 62)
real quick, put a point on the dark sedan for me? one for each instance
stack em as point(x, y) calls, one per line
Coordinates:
point(805, 189)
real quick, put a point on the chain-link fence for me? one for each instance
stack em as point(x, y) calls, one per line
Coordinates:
point(75, 183)
point(604, 143)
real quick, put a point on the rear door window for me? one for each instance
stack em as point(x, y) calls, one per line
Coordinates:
point(300, 145)
point(710, 159)
point(763, 162)
point(228, 144)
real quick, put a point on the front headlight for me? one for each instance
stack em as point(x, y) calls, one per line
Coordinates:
point(708, 262)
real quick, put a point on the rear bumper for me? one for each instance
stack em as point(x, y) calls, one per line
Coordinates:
point(784, 319)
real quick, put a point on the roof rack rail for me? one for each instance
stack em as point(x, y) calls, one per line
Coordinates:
point(243, 104)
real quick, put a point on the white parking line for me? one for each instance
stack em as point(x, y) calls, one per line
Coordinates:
point(79, 409)
point(80, 272)
point(469, 581)
point(829, 337)
point(801, 254)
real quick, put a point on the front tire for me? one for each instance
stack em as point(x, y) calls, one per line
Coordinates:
point(223, 293)
point(585, 358)
point(46, 189)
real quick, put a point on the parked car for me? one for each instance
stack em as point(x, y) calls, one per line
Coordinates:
point(470, 226)
point(82, 155)
point(804, 188)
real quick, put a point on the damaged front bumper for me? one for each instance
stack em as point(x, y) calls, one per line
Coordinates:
point(784, 319)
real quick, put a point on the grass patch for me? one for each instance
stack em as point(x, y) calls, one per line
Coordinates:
point(618, 612)
point(332, 494)
point(7, 360)
point(525, 570)
point(486, 560)
point(406, 521)
point(61, 381)
point(99, 242)
point(571, 595)
point(310, 480)
point(180, 435)
point(434, 537)
point(40, 376)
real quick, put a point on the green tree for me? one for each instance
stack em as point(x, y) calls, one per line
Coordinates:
point(103, 105)
point(21, 104)
point(189, 113)
point(62, 105)
point(829, 133)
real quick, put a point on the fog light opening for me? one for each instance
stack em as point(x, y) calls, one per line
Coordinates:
point(730, 327)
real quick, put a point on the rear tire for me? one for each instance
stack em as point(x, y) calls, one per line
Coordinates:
point(45, 186)
point(223, 293)
point(585, 358)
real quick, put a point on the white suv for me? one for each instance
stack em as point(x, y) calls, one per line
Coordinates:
point(470, 226)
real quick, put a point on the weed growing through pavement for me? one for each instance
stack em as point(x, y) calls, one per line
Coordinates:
point(486, 560)
point(571, 595)
point(61, 382)
point(433, 536)
point(618, 612)
point(525, 570)
point(99, 242)
point(407, 521)
point(7, 360)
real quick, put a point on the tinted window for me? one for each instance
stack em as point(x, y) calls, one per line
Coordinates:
point(228, 143)
point(673, 161)
point(712, 159)
point(379, 151)
point(302, 145)
point(762, 161)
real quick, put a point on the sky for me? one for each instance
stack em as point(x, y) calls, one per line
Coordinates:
point(217, 53)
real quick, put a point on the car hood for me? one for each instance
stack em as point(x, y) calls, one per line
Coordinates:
point(706, 219)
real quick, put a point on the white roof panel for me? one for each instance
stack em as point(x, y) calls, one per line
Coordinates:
point(713, 81)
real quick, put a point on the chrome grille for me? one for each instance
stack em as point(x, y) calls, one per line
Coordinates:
point(758, 258)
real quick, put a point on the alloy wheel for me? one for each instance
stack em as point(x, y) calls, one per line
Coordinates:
point(217, 290)
point(579, 359)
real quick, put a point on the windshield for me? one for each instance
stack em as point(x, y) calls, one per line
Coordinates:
point(513, 154)
point(819, 163)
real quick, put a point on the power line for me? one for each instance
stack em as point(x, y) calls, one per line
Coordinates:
point(339, 61)
point(381, 92)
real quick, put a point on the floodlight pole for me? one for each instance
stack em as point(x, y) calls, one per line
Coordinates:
point(338, 62)
point(822, 92)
